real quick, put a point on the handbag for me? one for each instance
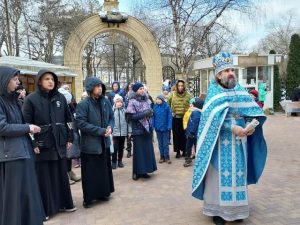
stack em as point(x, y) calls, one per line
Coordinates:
point(74, 151)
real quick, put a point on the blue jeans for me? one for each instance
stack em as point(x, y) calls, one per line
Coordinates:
point(190, 142)
point(163, 144)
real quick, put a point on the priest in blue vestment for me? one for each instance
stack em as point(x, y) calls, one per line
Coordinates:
point(231, 149)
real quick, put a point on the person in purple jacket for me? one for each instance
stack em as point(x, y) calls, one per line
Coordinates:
point(162, 123)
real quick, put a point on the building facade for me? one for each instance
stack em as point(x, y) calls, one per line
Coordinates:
point(29, 69)
point(253, 71)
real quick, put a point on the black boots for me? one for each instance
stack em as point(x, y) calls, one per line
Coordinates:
point(138, 176)
point(135, 177)
point(162, 159)
point(188, 162)
point(87, 205)
point(146, 176)
point(219, 220)
point(114, 165)
point(120, 165)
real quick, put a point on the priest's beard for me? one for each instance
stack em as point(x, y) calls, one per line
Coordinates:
point(228, 82)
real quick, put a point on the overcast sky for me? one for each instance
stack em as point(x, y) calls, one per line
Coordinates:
point(252, 31)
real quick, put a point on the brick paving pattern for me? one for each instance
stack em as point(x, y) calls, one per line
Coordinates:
point(165, 199)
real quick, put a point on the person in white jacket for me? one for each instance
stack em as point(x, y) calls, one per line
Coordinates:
point(120, 131)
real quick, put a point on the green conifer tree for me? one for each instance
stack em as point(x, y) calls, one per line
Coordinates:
point(277, 86)
point(293, 66)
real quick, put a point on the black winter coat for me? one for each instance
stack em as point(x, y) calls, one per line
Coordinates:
point(50, 111)
point(14, 139)
point(92, 118)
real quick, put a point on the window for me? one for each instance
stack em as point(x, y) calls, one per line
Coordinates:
point(264, 76)
point(249, 76)
point(211, 75)
point(236, 72)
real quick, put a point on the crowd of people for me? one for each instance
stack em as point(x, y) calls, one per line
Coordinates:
point(40, 135)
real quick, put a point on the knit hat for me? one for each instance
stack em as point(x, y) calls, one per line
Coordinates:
point(254, 92)
point(137, 86)
point(165, 88)
point(166, 83)
point(118, 98)
point(161, 97)
point(198, 103)
point(222, 61)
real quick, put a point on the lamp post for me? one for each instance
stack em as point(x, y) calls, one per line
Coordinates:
point(114, 60)
point(111, 15)
point(111, 41)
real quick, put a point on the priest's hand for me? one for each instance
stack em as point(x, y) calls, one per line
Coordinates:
point(250, 132)
point(238, 131)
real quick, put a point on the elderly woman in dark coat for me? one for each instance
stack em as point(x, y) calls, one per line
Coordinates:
point(20, 199)
point(95, 119)
point(139, 113)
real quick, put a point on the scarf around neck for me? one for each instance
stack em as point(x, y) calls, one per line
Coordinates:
point(139, 104)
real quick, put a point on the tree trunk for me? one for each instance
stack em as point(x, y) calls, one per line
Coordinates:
point(133, 68)
point(17, 40)
point(1, 43)
point(9, 44)
point(49, 47)
point(28, 43)
point(176, 24)
point(89, 68)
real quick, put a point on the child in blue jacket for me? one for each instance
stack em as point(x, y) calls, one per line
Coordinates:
point(162, 123)
point(192, 129)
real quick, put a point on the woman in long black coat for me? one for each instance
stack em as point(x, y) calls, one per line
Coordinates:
point(140, 114)
point(95, 119)
point(48, 108)
point(20, 199)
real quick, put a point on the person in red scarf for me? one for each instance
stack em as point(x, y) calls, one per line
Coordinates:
point(254, 94)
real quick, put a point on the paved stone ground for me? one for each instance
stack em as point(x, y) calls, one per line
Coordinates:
point(166, 199)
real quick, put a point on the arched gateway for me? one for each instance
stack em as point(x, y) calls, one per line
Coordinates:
point(132, 28)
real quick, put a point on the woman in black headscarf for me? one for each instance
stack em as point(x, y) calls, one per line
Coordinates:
point(20, 199)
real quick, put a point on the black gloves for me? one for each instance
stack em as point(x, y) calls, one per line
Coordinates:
point(148, 112)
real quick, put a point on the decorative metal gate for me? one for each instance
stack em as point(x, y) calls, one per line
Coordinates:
point(168, 73)
point(194, 85)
